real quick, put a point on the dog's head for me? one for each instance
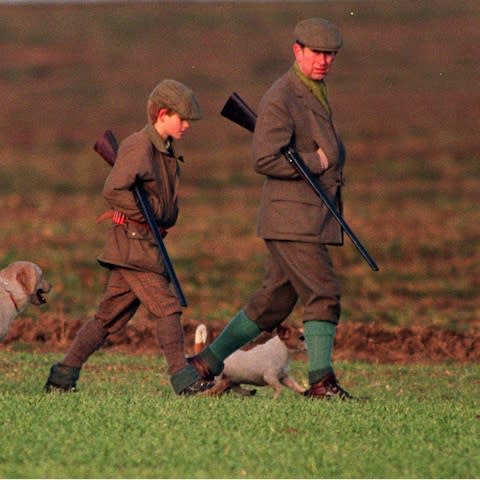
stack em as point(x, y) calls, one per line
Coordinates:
point(26, 283)
point(30, 276)
point(292, 337)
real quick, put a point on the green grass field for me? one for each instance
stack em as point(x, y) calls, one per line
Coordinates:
point(419, 422)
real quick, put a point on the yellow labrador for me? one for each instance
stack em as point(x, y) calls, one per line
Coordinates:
point(21, 284)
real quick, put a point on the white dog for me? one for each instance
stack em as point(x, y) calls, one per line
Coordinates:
point(263, 365)
point(21, 284)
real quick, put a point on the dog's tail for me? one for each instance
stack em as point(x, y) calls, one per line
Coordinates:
point(201, 335)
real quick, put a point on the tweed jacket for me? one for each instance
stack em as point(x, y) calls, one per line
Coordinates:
point(132, 245)
point(290, 115)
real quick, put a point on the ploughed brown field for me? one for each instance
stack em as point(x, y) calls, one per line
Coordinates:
point(405, 96)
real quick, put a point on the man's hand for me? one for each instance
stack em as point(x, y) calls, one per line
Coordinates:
point(323, 158)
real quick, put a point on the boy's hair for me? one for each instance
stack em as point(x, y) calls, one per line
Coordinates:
point(176, 98)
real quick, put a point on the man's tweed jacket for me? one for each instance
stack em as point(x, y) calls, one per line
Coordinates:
point(289, 114)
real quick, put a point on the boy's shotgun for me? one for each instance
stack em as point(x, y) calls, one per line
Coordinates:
point(237, 110)
point(106, 146)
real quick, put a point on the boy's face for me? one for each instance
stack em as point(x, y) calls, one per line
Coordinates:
point(171, 125)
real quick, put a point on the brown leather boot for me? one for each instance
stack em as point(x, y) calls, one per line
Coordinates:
point(201, 367)
point(328, 388)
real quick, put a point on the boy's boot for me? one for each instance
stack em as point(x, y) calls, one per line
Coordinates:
point(64, 375)
point(62, 378)
point(184, 378)
point(188, 382)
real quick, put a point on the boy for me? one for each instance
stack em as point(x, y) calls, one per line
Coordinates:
point(137, 274)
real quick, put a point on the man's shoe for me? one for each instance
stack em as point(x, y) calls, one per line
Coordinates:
point(198, 388)
point(328, 388)
point(62, 379)
point(201, 367)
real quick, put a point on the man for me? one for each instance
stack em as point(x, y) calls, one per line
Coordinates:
point(292, 220)
point(137, 274)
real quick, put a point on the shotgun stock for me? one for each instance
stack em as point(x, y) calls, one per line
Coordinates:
point(107, 146)
point(237, 110)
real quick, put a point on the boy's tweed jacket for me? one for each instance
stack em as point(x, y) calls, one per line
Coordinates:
point(289, 114)
point(132, 245)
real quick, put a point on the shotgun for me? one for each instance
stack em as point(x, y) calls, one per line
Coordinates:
point(238, 111)
point(106, 146)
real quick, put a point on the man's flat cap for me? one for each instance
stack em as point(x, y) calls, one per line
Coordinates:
point(318, 34)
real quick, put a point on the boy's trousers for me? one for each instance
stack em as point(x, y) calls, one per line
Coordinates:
point(126, 290)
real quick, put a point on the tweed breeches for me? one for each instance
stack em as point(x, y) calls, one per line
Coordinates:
point(296, 271)
point(127, 289)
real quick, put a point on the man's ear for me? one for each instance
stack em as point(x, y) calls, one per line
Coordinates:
point(297, 49)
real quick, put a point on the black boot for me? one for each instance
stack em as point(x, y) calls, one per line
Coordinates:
point(188, 382)
point(62, 378)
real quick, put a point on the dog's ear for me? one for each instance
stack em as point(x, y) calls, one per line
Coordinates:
point(27, 278)
point(283, 332)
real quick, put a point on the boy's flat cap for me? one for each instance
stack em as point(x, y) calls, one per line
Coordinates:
point(318, 34)
point(177, 97)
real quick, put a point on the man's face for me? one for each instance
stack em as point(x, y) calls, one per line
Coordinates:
point(314, 64)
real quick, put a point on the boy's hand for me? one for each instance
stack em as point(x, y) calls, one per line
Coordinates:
point(115, 216)
point(119, 218)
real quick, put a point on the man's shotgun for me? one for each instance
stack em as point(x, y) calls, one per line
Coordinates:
point(237, 110)
point(106, 146)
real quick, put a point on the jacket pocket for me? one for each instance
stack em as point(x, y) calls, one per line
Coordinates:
point(296, 217)
point(137, 231)
point(142, 251)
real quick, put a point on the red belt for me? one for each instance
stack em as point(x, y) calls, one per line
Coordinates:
point(119, 218)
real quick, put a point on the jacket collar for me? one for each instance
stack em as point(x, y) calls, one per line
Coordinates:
point(167, 147)
point(302, 92)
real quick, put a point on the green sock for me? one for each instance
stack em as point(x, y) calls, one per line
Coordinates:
point(319, 337)
point(239, 331)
